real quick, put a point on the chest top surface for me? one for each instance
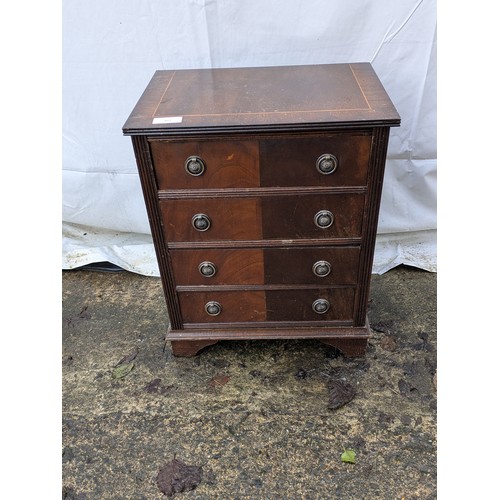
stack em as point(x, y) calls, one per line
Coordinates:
point(262, 98)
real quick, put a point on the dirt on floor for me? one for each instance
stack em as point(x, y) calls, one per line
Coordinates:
point(249, 419)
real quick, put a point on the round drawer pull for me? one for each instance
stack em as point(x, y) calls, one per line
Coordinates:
point(327, 164)
point(321, 306)
point(194, 165)
point(322, 268)
point(201, 222)
point(207, 269)
point(213, 308)
point(323, 219)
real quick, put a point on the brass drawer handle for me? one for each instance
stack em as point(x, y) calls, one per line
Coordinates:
point(327, 164)
point(207, 269)
point(322, 268)
point(213, 308)
point(201, 222)
point(321, 306)
point(324, 219)
point(194, 165)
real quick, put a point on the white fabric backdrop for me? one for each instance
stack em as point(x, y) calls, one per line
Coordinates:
point(111, 50)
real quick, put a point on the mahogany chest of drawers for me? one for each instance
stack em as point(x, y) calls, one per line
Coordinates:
point(262, 187)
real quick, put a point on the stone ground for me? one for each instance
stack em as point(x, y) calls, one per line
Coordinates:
point(253, 415)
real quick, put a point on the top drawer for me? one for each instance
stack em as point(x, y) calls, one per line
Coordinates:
point(339, 159)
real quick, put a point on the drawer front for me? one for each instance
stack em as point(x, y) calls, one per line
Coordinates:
point(298, 161)
point(273, 162)
point(280, 217)
point(270, 305)
point(218, 267)
point(226, 164)
point(269, 266)
point(230, 219)
point(297, 305)
point(234, 306)
point(318, 265)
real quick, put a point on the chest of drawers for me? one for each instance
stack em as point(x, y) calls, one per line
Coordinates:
point(262, 187)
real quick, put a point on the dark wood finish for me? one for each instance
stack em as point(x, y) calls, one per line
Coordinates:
point(292, 217)
point(149, 188)
point(272, 266)
point(379, 150)
point(241, 266)
point(260, 132)
point(277, 217)
point(352, 341)
point(212, 332)
point(286, 98)
point(228, 164)
point(249, 306)
point(190, 348)
point(350, 347)
point(291, 161)
point(296, 305)
point(232, 219)
point(289, 305)
point(295, 265)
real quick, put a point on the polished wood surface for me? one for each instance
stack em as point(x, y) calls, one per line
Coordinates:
point(295, 265)
point(247, 306)
point(291, 161)
point(296, 305)
point(233, 266)
point(228, 164)
point(266, 98)
point(292, 217)
point(265, 266)
point(260, 134)
point(231, 219)
point(275, 217)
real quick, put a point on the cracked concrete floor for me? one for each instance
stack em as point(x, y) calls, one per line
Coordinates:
point(252, 414)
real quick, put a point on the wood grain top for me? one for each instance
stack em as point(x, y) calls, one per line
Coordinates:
point(260, 99)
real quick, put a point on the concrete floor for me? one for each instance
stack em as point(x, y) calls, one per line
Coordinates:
point(252, 414)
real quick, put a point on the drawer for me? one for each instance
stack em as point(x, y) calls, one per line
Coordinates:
point(299, 161)
point(334, 304)
point(270, 162)
point(270, 266)
point(234, 306)
point(298, 305)
point(253, 218)
point(226, 164)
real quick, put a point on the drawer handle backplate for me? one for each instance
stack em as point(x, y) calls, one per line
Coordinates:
point(213, 308)
point(207, 269)
point(322, 268)
point(324, 219)
point(201, 222)
point(194, 165)
point(321, 306)
point(327, 164)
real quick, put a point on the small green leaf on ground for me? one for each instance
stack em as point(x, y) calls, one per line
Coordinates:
point(349, 456)
point(122, 370)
